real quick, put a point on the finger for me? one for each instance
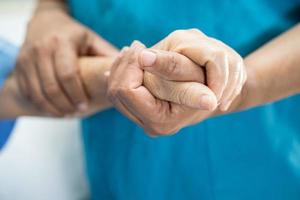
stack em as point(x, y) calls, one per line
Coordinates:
point(125, 82)
point(136, 97)
point(21, 70)
point(171, 66)
point(215, 61)
point(49, 83)
point(143, 104)
point(124, 109)
point(235, 76)
point(36, 94)
point(126, 72)
point(22, 84)
point(217, 71)
point(245, 76)
point(192, 94)
point(67, 72)
point(237, 90)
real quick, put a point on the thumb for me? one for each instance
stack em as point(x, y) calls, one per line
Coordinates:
point(171, 65)
point(192, 94)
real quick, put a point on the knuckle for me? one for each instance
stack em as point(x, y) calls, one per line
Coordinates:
point(219, 54)
point(195, 31)
point(55, 38)
point(37, 46)
point(178, 33)
point(131, 59)
point(40, 48)
point(172, 65)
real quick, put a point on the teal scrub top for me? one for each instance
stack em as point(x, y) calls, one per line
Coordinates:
point(248, 155)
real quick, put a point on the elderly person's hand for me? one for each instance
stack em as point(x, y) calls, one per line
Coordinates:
point(188, 101)
point(126, 90)
point(224, 68)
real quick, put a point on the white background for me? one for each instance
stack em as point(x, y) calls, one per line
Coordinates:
point(43, 158)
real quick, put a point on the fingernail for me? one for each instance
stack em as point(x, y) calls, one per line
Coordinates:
point(148, 58)
point(82, 106)
point(207, 102)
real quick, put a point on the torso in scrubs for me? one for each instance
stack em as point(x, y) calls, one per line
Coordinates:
point(249, 155)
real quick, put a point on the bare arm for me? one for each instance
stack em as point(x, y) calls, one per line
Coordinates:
point(13, 103)
point(273, 71)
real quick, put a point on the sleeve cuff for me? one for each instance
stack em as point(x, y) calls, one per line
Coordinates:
point(6, 127)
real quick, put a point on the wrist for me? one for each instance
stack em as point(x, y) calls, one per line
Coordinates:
point(94, 71)
point(248, 97)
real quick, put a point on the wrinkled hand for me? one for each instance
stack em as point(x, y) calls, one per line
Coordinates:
point(159, 117)
point(225, 69)
point(47, 67)
point(170, 96)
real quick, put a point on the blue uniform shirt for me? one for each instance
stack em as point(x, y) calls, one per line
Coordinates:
point(249, 155)
point(8, 53)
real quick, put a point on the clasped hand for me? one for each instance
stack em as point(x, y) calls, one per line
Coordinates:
point(182, 80)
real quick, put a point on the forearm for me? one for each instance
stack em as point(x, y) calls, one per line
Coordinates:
point(273, 71)
point(13, 104)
